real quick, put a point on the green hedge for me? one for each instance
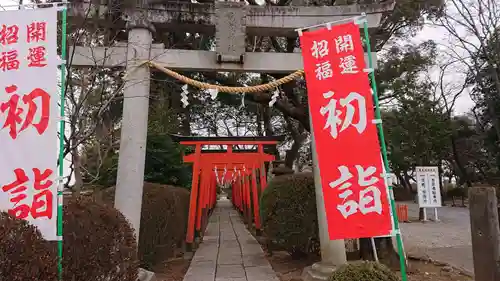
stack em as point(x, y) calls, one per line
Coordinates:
point(163, 221)
point(288, 211)
point(24, 255)
point(99, 245)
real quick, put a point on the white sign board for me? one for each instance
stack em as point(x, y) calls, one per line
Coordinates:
point(29, 116)
point(429, 195)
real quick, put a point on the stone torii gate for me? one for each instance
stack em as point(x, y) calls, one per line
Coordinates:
point(231, 22)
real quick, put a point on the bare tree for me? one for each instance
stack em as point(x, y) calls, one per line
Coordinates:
point(93, 95)
point(471, 24)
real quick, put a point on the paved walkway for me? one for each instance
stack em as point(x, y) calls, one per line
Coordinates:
point(448, 240)
point(228, 251)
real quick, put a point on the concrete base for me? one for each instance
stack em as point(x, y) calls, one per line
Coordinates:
point(318, 272)
point(145, 275)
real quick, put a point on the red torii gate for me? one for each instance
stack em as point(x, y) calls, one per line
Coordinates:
point(241, 166)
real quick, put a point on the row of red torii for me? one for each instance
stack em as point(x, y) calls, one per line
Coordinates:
point(243, 170)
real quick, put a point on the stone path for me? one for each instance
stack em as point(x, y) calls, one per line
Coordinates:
point(228, 251)
point(448, 240)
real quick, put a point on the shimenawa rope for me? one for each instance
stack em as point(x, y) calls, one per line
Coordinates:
point(226, 89)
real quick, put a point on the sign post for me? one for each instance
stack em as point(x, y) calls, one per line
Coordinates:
point(30, 179)
point(429, 194)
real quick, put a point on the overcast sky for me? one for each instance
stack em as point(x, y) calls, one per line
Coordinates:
point(440, 36)
point(9, 3)
point(464, 103)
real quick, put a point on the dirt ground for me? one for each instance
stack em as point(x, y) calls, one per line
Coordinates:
point(286, 268)
point(426, 271)
point(447, 241)
point(291, 270)
point(172, 270)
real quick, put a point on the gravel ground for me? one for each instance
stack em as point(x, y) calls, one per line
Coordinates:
point(448, 240)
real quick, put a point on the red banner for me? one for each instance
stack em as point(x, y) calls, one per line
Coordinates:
point(347, 144)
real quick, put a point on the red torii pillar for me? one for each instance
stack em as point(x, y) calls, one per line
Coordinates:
point(204, 189)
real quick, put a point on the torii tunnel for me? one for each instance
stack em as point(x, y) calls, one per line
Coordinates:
point(244, 170)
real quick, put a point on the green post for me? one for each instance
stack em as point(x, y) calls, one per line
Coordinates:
point(61, 147)
point(383, 148)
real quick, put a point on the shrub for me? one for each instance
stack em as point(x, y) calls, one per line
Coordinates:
point(457, 192)
point(24, 255)
point(163, 163)
point(364, 271)
point(288, 211)
point(99, 243)
point(447, 187)
point(163, 221)
point(402, 194)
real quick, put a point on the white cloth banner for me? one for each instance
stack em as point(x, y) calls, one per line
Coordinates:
point(29, 114)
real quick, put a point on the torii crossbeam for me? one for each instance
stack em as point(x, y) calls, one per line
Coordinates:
point(230, 21)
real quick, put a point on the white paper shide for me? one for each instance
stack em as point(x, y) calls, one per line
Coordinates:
point(29, 114)
point(429, 195)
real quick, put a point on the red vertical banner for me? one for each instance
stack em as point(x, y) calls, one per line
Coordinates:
point(346, 139)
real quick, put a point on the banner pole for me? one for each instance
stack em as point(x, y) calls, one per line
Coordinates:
point(61, 146)
point(383, 148)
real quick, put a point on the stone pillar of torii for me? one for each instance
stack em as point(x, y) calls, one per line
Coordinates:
point(231, 22)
